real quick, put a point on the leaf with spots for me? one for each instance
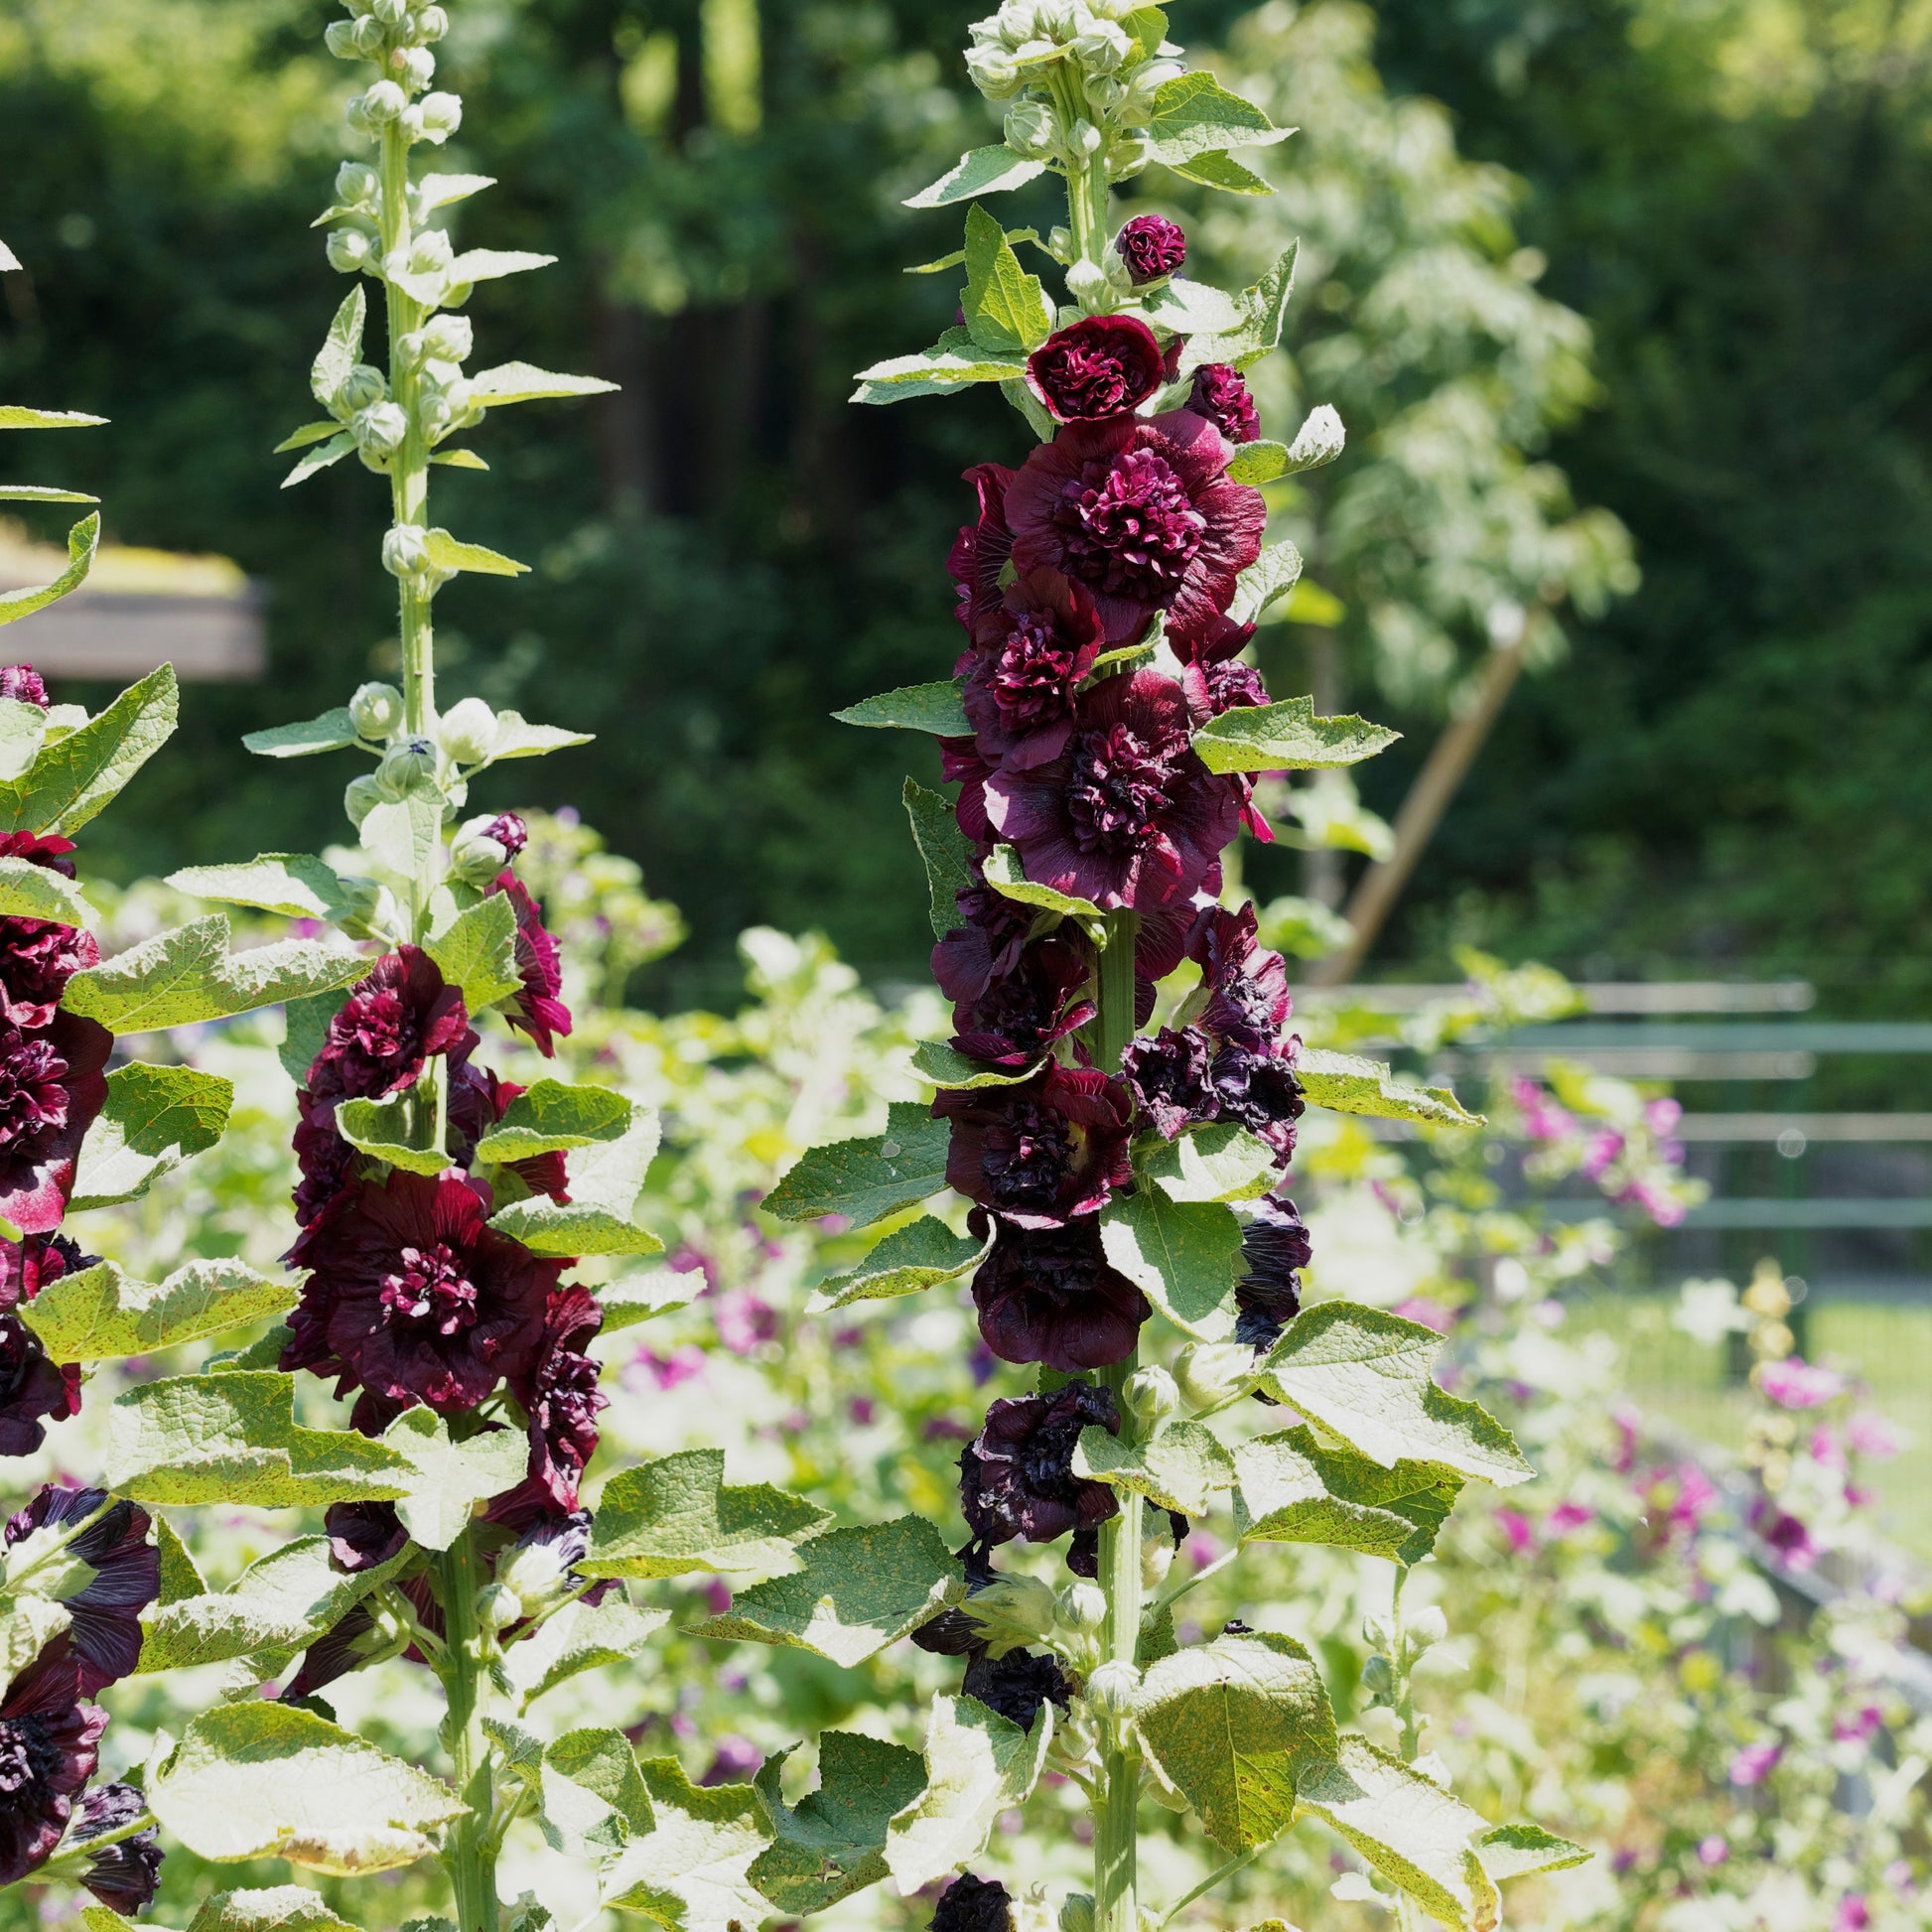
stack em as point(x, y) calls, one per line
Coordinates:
point(690, 1870)
point(832, 1843)
point(867, 1180)
point(97, 1315)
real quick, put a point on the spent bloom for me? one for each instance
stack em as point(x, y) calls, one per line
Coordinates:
point(1017, 1475)
point(49, 1746)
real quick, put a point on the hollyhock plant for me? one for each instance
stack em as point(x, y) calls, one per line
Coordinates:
point(1048, 1295)
point(1042, 1150)
point(1096, 368)
point(1152, 247)
point(125, 1875)
point(1168, 1074)
point(1026, 664)
point(537, 1009)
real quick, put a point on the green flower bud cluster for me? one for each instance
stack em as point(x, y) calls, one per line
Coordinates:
point(397, 38)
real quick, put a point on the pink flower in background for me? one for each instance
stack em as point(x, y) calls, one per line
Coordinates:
point(1858, 1726)
point(1429, 1311)
point(1600, 1151)
point(648, 1367)
point(1854, 1914)
point(1567, 1517)
point(1874, 1435)
point(1696, 1497)
point(1786, 1534)
point(1795, 1383)
point(717, 1596)
point(687, 1260)
point(744, 1320)
point(737, 1762)
point(1713, 1851)
point(1755, 1763)
point(1518, 1529)
point(1663, 1116)
point(1825, 1449)
point(1543, 1119)
point(1663, 1207)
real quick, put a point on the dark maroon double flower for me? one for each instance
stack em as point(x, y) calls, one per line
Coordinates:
point(39, 956)
point(34, 1390)
point(1018, 1016)
point(559, 1396)
point(49, 1747)
point(1152, 247)
point(1016, 1477)
point(538, 1010)
point(1221, 395)
point(1248, 1001)
point(1042, 1150)
point(1096, 368)
point(53, 1086)
point(1026, 659)
point(1048, 1295)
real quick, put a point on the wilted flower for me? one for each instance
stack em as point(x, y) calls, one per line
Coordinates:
point(1048, 1295)
point(53, 1086)
point(982, 549)
point(1221, 395)
point(1021, 671)
point(971, 1904)
point(1021, 1014)
point(1042, 1150)
point(536, 1011)
point(124, 1875)
point(1017, 1475)
point(1248, 999)
point(1017, 1685)
point(1152, 247)
point(1274, 1248)
point(48, 1752)
point(1096, 368)
point(1168, 1072)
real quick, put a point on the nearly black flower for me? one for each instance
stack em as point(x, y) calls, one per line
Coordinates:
point(1141, 513)
point(1096, 368)
point(32, 1387)
point(536, 1011)
point(104, 1636)
point(1152, 247)
point(559, 1397)
point(982, 549)
point(49, 1743)
point(972, 1905)
point(1221, 395)
point(1275, 1249)
point(412, 1298)
point(1041, 1150)
point(1261, 1092)
point(124, 1875)
point(1023, 665)
point(985, 945)
point(1017, 1685)
point(1127, 816)
point(1016, 1477)
point(1048, 1295)
point(364, 1536)
point(1021, 1014)
point(391, 1022)
point(24, 685)
point(53, 1086)
point(1248, 1000)
point(1168, 1072)
point(39, 956)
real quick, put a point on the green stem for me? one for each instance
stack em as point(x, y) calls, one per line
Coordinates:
point(467, 1853)
point(1115, 1025)
point(1209, 1883)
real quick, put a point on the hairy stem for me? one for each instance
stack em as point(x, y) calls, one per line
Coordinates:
point(468, 1856)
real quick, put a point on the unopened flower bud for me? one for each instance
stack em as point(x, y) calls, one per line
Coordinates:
point(1082, 1606)
point(1076, 1912)
point(357, 185)
point(447, 339)
point(391, 12)
point(1031, 128)
point(1209, 1373)
point(478, 855)
point(1157, 1559)
point(376, 710)
point(1127, 157)
point(1084, 139)
point(1103, 48)
point(1151, 1395)
point(350, 250)
point(360, 798)
point(429, 24)
point(383, 103)
point(1015, 1610)
point(362, 388)
point(497, 1608)
point(467, 732)
point(993, 73)
point(379, 429)
point(340, 39)
point(414, 66)
point(1104, 92)
point(1425, 1627)
point(405, 550)
point(1378, 1678)
point(1112, 1690)
point(442, 116)
point(405, 767)
point(1085, 280)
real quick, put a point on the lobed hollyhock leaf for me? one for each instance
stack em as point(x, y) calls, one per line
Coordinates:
point(832, 1843)
point(452, 553)
point(402, 834)
point(1365, 1375)
point(476, 952)
point(1220, 1161)
point(551, 1117)
point(579, 1637)
point(180, 1578)
point(1287, 736)
point(323, 456)
point(232, 1438)
point(1182, 1468)
point(689, 1871)
point(941, 1065)
point(23, 730)
point(1523, 1850)
point(633, 1299)
point(83, 541)
point(591, 1800)
point(447, 1479)
point(154, 1119)
point(330, 733)
point(97, 1315)
point(342, 347)
point(279, 1908)
point(259, 1780)
point(1414, 1833)
point(943, 848)
point(296, 885)
point(605, 1182)
point(1264, 306)
point(855, 1591)
point(1345, 1083)
point(1296, 1489)
point(1184, 1256)
point(1193, 115)
point(985, 171)
point(678, 1514)
point(867, 1180)
point(183, 977)
point(977, 1765)
point(75, 776)
point(935, 708)
point(1234, 1724)
point(275, 1609)
point(1005, 309)
point(921, 1254)
point(512, 382)
point(518, 737)
point(1007, 878)
point(381, 1129)
point(1321, 439)
point(953, 361)
point(30, 1624)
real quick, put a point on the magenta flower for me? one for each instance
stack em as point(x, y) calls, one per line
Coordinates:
point(24, 685)
point(1795, 1383)
point(413, 1298)
point(1096, 368)
point(104, 1634)
point(1048, 1295)
point(1567, 1517)
point(1787, 1536)
point(1043, 1151)
point(1017, 1475)
point(1020, 1014)
point(1127, 816)
point(1168, 1072)
point(1152, 247)
point(1143, 514)
point(1713, 1850)
point(981, 551)
point(391, 1022)
point(1755, 1762)
point(1426, 1309)
point(1852, 1915)
point(1221, 395)
point(536, 1011)
point(508, 831)
point(1859, 1726)
point(124, 1875)
point(1543, 1119)
point(559, 1397)
point(1248, 1001)
point(744, 1320)
point(53, 1085)
point(49, 1743)
point(1518, 1531)
point(39, 956)
point(1026, 659)
point(1872, 1435)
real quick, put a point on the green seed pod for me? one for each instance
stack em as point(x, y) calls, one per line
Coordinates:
point(360, 798)
point(376, 710)
point(405, 767)
point(467, 732)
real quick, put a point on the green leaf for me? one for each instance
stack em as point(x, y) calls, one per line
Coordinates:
point(934, 708)
point(1193, 115)
point(458, 460)
point(576, 1639)
point(518, 737)
point(1320, 439)
point(383, 1130)
point(921, 1254)
point(449, 553)
point(593, 1801)
point(31, 891)
point(1222, 171)
point(330, 733)
point(1523, 1850)
point(323, 455)
point(678, 1514)
point(103, 1918)
point(402, 834)
point(1365, 1375)
point(30, 1624)
point(1148, 25)
point(476, 953)
point(1262, 307)
point(304, 1025)
point(550, 1117)
point(182, 977)
point(309, 433)
point(493, 264)
point(832, 1843)
point(97, 1315)
point(985, 171)
point(1006, 308)
point(1182, 1469)
point(856, 1591)
point(977, 1765)
point(1004, 874)
point(1414, 1833)
point(1184, 1256)
point(154, 1119)
point(75, 776)
point(441, 190)
point(952, 362)
point(1345, 1083)
point(865, 1180)
point(280, 1908)
point(1218, 1163)
point(342, 349)
point(1294, 1491)
point(689, 1871)
point(14, 415)
point(296, 885)
point(632, 1299)
point(1258, 463)
point(1235, 1724)
point(180, 1580)
point(232, 1438)
point(259, 1780)
point(512, 382)
point(447, 1479)
point(933, 1061)
point(605, 1182)
point(23, 727)
point(945, 849)
point(1272, 575)
point(1287, 736)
